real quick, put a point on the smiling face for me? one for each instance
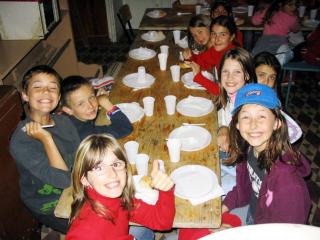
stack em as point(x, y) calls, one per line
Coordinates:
point(220, 37)
point(256, 125)
point(42, 94)
point(82, 103)
point(266, 75)
point(201, 35)
point(108, 178)
point(232, 76)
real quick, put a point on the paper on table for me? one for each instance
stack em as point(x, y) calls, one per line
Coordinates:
point(216, 192)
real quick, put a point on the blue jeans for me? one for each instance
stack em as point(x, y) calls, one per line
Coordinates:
point(141, 233)
point(228, 174)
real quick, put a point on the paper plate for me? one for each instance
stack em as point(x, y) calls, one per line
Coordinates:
point(242, 9)
point(153, 36)
point(156, 14)
point(194, 106)
point(267, 232)
point(311, 23)
point(187, 79)
point(133, 111)
point(131, 80)
point(142, 53)
point(193, 181)
point(193, 138)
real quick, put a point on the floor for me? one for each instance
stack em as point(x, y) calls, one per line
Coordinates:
point(303, 107)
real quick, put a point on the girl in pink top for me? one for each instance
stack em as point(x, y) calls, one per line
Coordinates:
point(278, 19)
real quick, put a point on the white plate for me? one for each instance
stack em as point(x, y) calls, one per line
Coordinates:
point(187, 79)
point(142, 53)
point(242, 9)
point(311, 23)
point(194, 106)
point(132, 110)
point(267, 232)
point(193, 138)
point(131, 80)
point(156, 14)
point(193, 181)
point(153, 36)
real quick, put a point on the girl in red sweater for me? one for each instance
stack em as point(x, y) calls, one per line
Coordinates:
point(223, 31)
point(103, 194)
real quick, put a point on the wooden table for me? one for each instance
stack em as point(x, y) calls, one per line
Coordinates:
point(151, 132)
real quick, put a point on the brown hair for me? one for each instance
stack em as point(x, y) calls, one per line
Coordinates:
point(91, 153)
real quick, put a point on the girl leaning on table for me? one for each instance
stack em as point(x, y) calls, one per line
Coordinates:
point(44, 156)
point(270, 173)
point(103, 194)
point(223, 31)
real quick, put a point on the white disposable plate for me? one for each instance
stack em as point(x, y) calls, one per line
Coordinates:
point(142, 53)
point(242, 9)
point(187, 79)
point(132, 110)
point(194, 106)
point(156, 14)
point(131, 80)
point(267, 231)
point(193, 181)
point(153, 36)
point(193, 138)
point(311, 23)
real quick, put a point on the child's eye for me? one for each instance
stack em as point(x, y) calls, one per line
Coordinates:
point(118, 165)
point(97, 168)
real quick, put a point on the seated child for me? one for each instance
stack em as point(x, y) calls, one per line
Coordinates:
point(103, 191)
point(44, 156)
point(81, 104)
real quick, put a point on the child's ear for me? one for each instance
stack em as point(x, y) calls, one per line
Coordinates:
point(24, 96)
point(277, 124)
point(67, 110)
point(84, 181)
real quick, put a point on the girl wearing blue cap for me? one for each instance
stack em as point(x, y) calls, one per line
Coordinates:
point(269, 172)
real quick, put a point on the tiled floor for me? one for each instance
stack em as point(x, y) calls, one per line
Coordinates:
point(303, 107)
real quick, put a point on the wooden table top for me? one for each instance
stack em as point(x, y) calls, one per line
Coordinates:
point(173, 22)
point(151, 132)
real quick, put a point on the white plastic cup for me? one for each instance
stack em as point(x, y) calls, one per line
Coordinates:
point(163, 61)
point(174, 147)
point(313, 14)
point(175, 73)
point(198, 9)
point(148, 105)
point(170, 101)
point(131, 149)
point(141, 73)
point(250, 10)
point(176, 36)
point(142, 161)
point(302, 10)
point(164, 49)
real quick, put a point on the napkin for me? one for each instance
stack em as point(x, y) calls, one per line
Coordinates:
point(216, 192)
point(183, 43)
point(149, 196)
point(106, 82)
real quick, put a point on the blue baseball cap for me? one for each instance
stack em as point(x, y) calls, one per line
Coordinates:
point(255, 93)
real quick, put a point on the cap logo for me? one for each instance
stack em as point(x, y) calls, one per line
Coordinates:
point(253, 92)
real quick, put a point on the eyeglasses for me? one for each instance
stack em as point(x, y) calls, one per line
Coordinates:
point(101, 169)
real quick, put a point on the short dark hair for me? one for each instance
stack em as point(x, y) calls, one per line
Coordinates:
point(37, 70)
point(227, 22)
point(224, 4)
point(71, 84)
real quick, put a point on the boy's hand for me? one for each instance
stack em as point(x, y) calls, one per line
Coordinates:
point(34, 130)
point(102, 91)
point(187, 53)
point(104, 102)
point(223, 140)
point(160, 180)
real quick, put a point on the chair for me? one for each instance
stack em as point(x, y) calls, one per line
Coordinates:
point(124, 16)
point(296, 67)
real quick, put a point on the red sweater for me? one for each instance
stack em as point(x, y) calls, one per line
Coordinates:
point(88, 225)
point(207, 60)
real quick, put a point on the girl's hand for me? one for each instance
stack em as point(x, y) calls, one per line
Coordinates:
point(34, 130)
point(223, 140)
point(104, 102)
point(187, 53)
point(195, 68)
point(160, 180)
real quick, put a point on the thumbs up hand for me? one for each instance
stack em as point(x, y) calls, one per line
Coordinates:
point(160, 180)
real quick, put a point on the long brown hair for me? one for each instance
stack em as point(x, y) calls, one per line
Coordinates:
point(91, 153)
point(277, 145)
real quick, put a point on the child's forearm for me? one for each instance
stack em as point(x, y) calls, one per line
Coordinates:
point(53, 154)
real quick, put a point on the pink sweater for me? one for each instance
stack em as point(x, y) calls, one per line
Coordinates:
point(281, 23)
